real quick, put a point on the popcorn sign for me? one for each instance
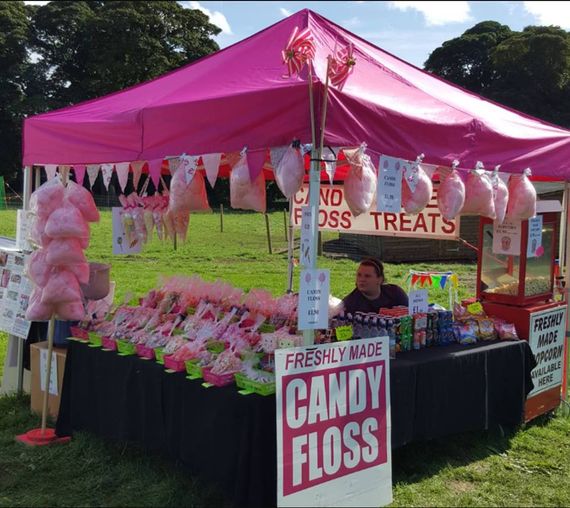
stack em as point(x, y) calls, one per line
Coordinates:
point(333, 424)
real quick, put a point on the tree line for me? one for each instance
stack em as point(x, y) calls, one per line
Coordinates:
point(66, 52)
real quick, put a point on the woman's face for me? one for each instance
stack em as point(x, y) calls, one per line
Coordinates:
point(367, 281)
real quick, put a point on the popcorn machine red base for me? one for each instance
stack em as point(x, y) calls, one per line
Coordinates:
point(515, 282)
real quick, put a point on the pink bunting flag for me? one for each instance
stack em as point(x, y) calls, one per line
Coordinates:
point(92, 172)
point(211, 163)
point(107, 172)
point(122, 169)
point(255, 162)
point(79, 170)
point(154, 168)
point(137, 171)
point(51, 170)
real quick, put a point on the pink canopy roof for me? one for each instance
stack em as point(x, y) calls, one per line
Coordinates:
point(238, 96)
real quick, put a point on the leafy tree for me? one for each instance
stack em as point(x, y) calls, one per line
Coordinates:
point(14, 34)
point(528, 71)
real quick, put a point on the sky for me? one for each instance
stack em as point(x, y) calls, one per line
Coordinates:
point(409, 30)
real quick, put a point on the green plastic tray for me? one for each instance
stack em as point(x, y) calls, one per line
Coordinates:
point(254, 386)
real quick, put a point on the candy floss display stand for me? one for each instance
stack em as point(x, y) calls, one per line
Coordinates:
point(520, 288)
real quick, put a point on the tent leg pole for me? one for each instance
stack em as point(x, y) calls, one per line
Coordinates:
point(38, 177)
point(564, 260)
point(27, 187)
point(290, 244)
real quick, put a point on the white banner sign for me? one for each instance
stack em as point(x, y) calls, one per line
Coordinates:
point(507, 238)
point(334, 215)
point(546, 339)
point(314, 300)
point(52, 375)
point(307, 233)
point(418, 301)
point(389, 185)
point(333, 424)
point(534, 245)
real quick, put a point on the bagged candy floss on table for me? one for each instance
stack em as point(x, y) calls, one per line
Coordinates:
point(500, 195)
point(479, 199)
point(415, 201)
point(82, 199)
point(361, 181)
point(290, 172)
point(451, 194)
point(245, 194)
point(522, 198)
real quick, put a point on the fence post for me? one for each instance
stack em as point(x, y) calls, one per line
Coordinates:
point(268, 233)
point(221, 218)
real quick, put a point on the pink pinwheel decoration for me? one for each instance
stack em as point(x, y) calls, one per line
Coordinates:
point(341, 66)
point(298, 51)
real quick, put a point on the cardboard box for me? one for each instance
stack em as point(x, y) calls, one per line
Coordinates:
point(37, 394)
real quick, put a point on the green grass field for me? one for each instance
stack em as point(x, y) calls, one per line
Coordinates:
point(529, 466)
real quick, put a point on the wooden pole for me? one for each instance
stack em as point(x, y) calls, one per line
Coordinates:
point(268, 233)
point(221, 218)
point(51, 329)
point(285, 224)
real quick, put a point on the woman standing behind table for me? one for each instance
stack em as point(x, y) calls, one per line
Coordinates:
point(372, 293)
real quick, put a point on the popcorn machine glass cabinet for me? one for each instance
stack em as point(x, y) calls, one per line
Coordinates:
point(512, 279)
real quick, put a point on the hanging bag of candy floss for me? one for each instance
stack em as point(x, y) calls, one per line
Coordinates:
point(244, 193)
point(82, 199)
point(451, 193)
point(290, 172)
point(417, 188)
point(361, 181)
point(479, 199)
point(500, 194)
point(47, 198)
point(522, 197)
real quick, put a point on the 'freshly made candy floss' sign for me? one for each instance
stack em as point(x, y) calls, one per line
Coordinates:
point(333, 424)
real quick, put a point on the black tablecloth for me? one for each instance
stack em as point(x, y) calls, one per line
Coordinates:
point(230, 438)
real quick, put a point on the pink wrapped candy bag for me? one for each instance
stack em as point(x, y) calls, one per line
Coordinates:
point(290, 172)
point(361, 181)
point(37, 268)
point(38, 311)
point(82, 199)
point(66, 222)
point(451, 194)
point(244, 193)
point(70, 311)
point(479, 194)
point(64, 251)
point(47, 198)
point(522, 197)
point(81, 271)
point(62, 287)
point(415, 202)
point(501, 196)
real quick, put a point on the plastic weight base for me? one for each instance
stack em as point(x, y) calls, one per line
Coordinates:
point(36, 437)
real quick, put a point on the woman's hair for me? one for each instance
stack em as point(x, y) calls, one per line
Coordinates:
point(376, 264)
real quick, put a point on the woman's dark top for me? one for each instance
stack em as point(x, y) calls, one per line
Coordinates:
point(390, 296)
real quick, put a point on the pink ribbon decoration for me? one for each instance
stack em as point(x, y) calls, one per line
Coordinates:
point(341, 66)
point(255, 162)
point(211, 162)
point(122, 169)
point(137, 171)
point(79, 170)
point(298, 51)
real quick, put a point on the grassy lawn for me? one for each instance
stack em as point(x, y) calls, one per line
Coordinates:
point(525, 467)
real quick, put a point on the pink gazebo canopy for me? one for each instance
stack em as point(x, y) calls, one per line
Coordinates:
point(238, 97)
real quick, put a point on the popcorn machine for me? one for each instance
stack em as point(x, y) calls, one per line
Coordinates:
point(515, 281)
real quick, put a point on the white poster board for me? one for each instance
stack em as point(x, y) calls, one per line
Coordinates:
point(507, 238)
point(389, 190)
point(313, 308)
point(15, 290)
point(333, 424)
point(307, 232)
point(418, 301)
point(121, 245)
point(534, 245)
point(547, 331)
point(334, 215)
